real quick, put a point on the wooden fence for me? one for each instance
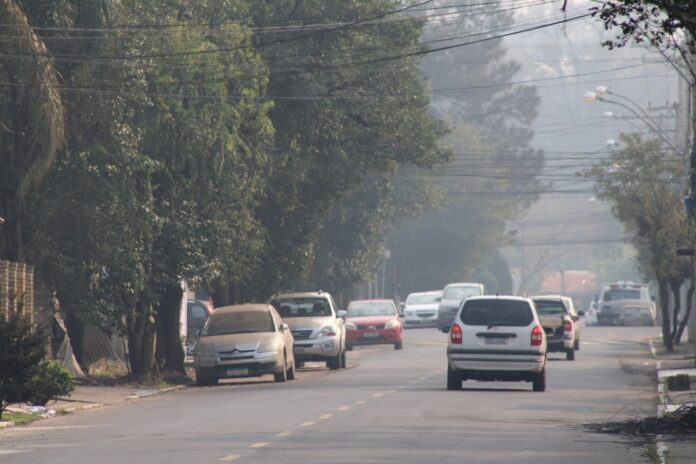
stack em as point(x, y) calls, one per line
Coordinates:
point(16, 289)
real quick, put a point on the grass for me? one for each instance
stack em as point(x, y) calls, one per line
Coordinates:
point(20, 418)
point(685, 350)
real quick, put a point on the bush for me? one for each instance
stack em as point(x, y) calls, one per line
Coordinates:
point(22, 347)
point(49, 381)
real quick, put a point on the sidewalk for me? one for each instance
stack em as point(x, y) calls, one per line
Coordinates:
point(86, 397)
point(675, 449)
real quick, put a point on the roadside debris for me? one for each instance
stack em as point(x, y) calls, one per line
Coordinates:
point(680, 422)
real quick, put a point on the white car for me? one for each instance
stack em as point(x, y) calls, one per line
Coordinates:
point(317, 326)
point(496, 339)
point(420, 309)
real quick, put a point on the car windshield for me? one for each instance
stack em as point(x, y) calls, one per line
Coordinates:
point(302, 307)
point(497, 312)
point(239, 322)
point(461, 292)
point(549, 307)
point(622, 294)
point(371, 309)
point(423, 299)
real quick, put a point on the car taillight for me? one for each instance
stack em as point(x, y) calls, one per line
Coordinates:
point(568, 325)
point(456, 334)
point(537, 336)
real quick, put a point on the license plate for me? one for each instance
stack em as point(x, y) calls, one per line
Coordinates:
point(371, 335)
point(239, 372)
point(496, 341)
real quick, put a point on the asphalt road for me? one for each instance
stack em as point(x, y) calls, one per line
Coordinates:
point(387, 407)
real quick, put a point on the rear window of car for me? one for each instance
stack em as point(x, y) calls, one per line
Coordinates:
point(461, 292)
point(549, 307)
point(621, 294)
point(371, 309)
point(302, 307)
point(423, 299)
point(239, 322)
point(497, 312)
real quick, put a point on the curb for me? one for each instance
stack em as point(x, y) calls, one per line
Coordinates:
point(660, 447)
point(6, 424)
point(146, 393)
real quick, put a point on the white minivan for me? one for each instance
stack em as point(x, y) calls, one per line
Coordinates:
point(496, 339)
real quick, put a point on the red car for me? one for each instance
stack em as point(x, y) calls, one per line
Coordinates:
point(372, 322)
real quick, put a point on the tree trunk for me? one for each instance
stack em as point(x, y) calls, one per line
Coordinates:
point(663, 291)
point(675, 287)
point(687, 312)
point(76, 333)
point(169, 347)
point(141, 342)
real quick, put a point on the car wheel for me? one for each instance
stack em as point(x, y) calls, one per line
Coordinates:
point(334, 363)
point(349, 347)
point(399, 345)
point(454, 381)
point(539, 382)
point(299, 365)
point(576, 345)
point(291, 372)
point(570, 354)
point(281, 376)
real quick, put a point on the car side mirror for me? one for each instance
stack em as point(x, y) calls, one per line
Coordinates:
point(446, 329)
point(581, 313)
point(284, 327)
point(402, 315)
point(342, 313)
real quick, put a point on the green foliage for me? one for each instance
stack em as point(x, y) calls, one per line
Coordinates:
point(21, 350)
point(31, 122)
point(657, 22)
point(49, 380)
point(360, 128)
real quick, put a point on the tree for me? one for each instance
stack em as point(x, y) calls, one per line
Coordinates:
point(641, 181)
point(31, 122)
point(22, 347)
point(336, 123)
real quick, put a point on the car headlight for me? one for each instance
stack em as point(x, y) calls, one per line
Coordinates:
point(267, 347)
point(204, 349)
point(328, 331)
point(351, 326)
point(392, 324)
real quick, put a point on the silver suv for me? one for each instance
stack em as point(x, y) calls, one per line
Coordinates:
point(317, 326)
point(452, 297)
point(496, 338)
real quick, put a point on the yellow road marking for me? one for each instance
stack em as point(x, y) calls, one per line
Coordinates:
point(308, 423)
point(326, 416)
point(344, 408)
point(360, 402)
point(261, 444)
point(287, 433)
point(377, 395)
point(231, 457)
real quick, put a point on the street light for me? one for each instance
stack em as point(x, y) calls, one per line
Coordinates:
point(600, 95)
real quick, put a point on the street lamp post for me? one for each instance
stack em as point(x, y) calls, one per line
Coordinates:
point(600, 95)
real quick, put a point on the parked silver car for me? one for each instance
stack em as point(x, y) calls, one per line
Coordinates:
point(316, 324)
point(244, 341)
